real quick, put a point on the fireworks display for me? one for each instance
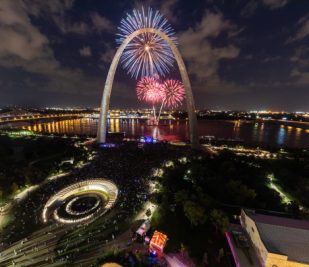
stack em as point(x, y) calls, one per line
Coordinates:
point(147, 54)
point(170, 93)
point(174, 92)
point(150, 90)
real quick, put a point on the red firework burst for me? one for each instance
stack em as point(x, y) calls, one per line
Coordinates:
point(150, 90)
point(174, 93)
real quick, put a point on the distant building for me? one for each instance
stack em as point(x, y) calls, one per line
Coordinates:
point(277, 241)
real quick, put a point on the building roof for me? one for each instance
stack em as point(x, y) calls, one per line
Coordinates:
point(284, 236)
point(276, 220)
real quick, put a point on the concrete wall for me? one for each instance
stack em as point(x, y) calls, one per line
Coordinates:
point(249, 225)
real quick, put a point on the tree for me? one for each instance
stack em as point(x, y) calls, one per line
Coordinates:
point(156, 217)
point(219, 220)
point(220, 254)
point(195, 213)
point(239, 192)
point(181, 196)
point(293, 207)
point(14, 188)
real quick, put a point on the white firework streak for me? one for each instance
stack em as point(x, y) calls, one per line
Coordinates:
point(147, 54)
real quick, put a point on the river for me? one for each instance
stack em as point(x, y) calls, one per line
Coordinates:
point(249, 132)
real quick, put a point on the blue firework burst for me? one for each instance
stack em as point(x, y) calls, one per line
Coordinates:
point(147, 54)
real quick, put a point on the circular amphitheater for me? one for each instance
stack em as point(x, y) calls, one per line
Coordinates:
point(80, 202)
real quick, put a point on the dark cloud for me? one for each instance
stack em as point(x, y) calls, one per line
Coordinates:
point(273, 4)
point(302, 30)
point(101, 23)
point(168, 8)
point(271, 59)
point(55, 11)
point(108, 55)
point(249, 9)
point(202, 57)
point(85, 51)
point(24, 46)
point(252, 6)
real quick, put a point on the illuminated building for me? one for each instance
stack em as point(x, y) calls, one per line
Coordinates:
point(276, 241)
point(157, 242)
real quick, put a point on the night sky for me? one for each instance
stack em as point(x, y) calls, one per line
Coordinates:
point(240, 54)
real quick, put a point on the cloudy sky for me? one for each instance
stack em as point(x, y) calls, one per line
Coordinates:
point(240, 54)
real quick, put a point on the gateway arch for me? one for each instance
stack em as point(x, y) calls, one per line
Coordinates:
point(102, 126)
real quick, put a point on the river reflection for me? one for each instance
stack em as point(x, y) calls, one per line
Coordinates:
point(252, 133)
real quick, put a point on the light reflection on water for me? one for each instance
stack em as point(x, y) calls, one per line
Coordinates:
point(250, 132)
point(281, 135)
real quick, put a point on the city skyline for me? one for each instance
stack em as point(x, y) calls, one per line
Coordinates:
point(240, 55)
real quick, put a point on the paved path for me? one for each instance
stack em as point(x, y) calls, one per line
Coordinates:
point(35, 250)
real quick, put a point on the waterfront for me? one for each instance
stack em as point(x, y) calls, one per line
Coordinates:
point(250, 132)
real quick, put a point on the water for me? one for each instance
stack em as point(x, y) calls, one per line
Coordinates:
point(252, 133)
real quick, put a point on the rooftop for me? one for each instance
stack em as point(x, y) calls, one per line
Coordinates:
point(284, 236)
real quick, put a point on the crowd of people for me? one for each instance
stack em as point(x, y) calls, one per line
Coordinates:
point(128, 165)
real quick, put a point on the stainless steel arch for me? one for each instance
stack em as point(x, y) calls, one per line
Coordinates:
point(101, 136)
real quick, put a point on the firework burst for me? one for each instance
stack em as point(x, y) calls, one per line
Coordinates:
point(147, 54)
point(174, 92)
point(150, 90)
